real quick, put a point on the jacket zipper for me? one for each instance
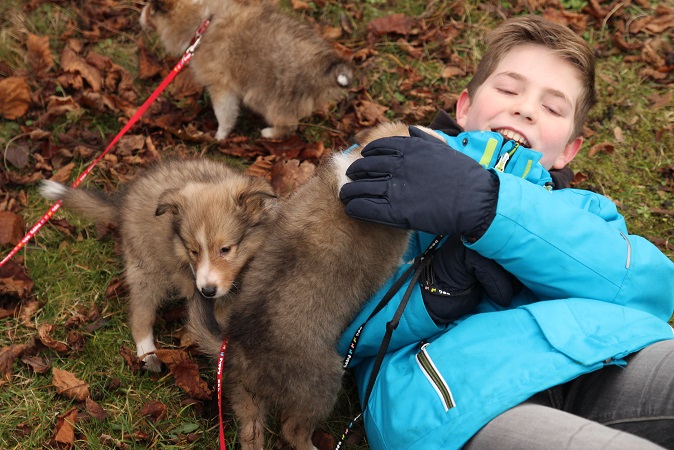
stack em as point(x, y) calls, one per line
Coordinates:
point(428, 368)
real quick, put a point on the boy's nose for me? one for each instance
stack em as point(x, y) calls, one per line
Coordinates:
point(525, 109)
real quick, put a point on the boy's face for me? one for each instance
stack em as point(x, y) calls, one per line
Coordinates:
point(531, 97)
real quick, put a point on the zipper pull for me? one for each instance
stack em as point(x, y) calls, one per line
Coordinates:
point(500, 165)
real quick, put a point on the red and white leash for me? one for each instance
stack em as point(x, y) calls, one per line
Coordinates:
point(221, 366)
point(55, 207)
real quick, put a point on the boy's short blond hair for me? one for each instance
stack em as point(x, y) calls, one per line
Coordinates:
point(561, 40)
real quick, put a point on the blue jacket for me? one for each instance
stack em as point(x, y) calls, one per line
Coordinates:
point(606, 294)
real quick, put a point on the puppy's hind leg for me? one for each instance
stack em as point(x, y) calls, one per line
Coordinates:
point(226, 108)
point(250, 413)
point(297, 430)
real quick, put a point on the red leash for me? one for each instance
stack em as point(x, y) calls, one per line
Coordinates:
point(221, 364)
point(55, 207)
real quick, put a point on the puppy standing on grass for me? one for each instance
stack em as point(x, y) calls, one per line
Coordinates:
point(184, 225)
point(311, 276)
point(253, 54)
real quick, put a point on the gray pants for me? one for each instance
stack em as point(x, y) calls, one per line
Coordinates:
point(626, 408)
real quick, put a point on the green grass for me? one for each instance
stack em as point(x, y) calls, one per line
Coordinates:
point(71, 273)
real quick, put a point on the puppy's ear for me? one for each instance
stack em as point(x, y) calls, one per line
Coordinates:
point(162, 6)
point(171, 200)
point(257, 200)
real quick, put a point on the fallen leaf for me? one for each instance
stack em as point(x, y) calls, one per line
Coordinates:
point(12, 228)
point(395, 23)
point(28, 310)
point(370, 113)
point(14, 97)
point(64, 432)
point(39, 56)
point(603, 147)
point(452, 72)
point(287, 175)
point(130, 358)
point(7, 357)
point(69, 385)
point(37, 363)
point(154, 410)
point(44, 331)
point(17, 153)
point(185, 372)
point(14, 281)
point(95, 410)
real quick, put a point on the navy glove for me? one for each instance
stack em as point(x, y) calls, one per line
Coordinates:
point(453, 283)
point(421, 183)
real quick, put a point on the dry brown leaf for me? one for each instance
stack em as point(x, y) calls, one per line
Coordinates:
point(76, 65)
point(185, 372)
point(287, 175)
point(154, 410)
point(370, 113)
point(7, 357)
point(14, 281)
point(37, 363)
point(452, 72)
point(602, 147)
point(38, 56)
point(64, 432)
point(63, 174)
point(12, 228)
point(95, 410)
point(395, 23)
point(148, 64)
point(28, 309)
point(44, 331)
point(69, 385)
point(14, 97)
point(130, 358)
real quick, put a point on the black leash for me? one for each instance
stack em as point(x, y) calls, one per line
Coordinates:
point(420, 263)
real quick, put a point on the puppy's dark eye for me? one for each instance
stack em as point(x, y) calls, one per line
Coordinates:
point(225, 250)
point(193, 253)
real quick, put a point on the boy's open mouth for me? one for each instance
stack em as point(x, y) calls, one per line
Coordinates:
point(513, 136)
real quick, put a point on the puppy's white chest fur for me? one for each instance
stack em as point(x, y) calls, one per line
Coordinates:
point(342, 161)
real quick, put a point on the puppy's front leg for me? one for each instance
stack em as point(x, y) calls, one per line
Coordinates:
point(226, 108)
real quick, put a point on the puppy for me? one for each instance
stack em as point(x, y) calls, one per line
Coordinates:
point(317, 269)
point(184, 225)
point(252, 53)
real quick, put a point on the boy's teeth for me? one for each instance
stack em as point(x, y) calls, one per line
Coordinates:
point(509, 134)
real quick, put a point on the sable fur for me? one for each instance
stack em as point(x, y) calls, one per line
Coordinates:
point(183, 225)
point(313, 274)
point(253, 54)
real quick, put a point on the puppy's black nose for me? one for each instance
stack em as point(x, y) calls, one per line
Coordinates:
point(209, 291)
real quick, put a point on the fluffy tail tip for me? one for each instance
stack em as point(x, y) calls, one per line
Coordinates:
point(52, 190)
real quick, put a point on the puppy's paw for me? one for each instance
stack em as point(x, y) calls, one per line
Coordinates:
point(278, 132)
point(222, 133)
point(152, 363)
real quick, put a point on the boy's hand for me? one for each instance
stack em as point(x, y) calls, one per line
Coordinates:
point(457, 277)
point(420, 183)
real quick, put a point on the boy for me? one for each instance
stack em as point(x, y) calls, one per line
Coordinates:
point(575, 350)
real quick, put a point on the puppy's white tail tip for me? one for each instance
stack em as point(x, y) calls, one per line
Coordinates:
point(52, 190)
point(343, 80)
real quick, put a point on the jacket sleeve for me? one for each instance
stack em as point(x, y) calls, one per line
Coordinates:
point(572, 243)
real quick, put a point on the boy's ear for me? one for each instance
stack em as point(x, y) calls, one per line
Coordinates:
point(570, 152)
point(462, 107)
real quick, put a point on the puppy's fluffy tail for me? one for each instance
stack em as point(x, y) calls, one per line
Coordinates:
point(341, 72)
point(94, 205)
point(201, 323)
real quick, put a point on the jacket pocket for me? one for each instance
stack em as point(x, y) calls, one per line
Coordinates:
point(435, 378)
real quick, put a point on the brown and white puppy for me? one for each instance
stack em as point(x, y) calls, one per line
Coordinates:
point(315, 270)
point(184, 225)
point(253, 54)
